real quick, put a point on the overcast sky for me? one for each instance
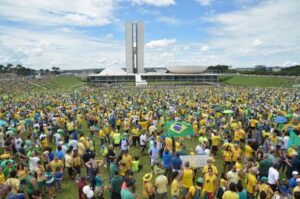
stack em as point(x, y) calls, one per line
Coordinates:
point(77, 34)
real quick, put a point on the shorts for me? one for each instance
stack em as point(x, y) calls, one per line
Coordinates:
point(50, 184)
point(116, 145)
point(228, 163)
point(98, 191)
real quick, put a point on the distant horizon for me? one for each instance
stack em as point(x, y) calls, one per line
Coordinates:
point(91, 34)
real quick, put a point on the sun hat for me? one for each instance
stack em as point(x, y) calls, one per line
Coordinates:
point(264, 179)
point(147, 177)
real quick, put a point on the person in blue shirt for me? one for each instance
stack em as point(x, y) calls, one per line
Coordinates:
point(167, 162)
point(177, 162)
point(99, 185)
point(59, 153)
point(58, 177)
point(293, 181)
point(154, 153)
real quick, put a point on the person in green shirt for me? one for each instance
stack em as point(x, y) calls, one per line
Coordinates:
point(115, 185)
point(117, 139)
point(136, 166)
point(126, 193)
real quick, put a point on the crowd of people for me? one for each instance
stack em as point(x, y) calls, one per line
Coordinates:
point(112, 144)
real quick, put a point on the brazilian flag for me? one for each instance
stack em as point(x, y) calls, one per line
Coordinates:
point(178, 129)
point(294, 139)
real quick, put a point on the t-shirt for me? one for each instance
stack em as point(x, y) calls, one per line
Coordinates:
point(242, 194)
point(126, 194)
point(128, 161)
point(176, 163)
point(117, 138)
point(187, 178)
point(33, 163)
point(161, 183)
point(209, 183)
point(99, 181)
point(167, 159)
point(135, 165)
point(175, 188)
point(251, 183)
point(273, 176)
point(215, 139)
point(116, 183)
point(230, 195)
point(68, 161)
point(14, 183)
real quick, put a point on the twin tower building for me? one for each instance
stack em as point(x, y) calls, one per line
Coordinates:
point(134, 36)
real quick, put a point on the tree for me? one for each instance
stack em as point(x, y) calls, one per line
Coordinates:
point(56, 70)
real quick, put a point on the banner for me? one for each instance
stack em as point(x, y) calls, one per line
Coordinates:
point(196, 161)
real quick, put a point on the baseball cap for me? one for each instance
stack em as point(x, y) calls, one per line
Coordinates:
point(295, 173)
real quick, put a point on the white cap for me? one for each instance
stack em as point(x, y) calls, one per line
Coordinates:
point(295, 173)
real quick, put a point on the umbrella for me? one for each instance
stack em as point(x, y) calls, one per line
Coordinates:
point(3, 123)
point(228, 111)
point(280, 119)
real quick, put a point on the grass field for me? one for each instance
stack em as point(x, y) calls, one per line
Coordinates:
point(66, 83)
point(256, 81)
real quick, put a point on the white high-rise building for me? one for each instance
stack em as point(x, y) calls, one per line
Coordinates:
point(134, 36)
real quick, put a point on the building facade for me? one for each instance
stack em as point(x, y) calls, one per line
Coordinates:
point(134, 36)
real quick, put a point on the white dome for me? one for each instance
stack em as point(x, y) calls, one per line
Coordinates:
point(186, 69)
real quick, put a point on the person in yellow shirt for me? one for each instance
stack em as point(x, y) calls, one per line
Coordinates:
point(231, 193)
point(187, 177)
point(210, 183)
point(196, 191)
point(263, 186)
point(248, 151)
point(127, 159)
point(135, 133)
point(251, 183)
point(236, 152)
point(101, 136)
point(227, 157)
point(175, 188)
point(56, 163)
point(169, 144)
point(215, 142)
point(208, 165)
point(2, 176)
point(177, 146)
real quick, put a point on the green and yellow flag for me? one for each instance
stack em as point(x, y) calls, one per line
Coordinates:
point(178, 129)
point(294, 139)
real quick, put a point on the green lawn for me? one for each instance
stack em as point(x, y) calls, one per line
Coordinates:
point(256, 81)
point(70, 188)
point(66, 83)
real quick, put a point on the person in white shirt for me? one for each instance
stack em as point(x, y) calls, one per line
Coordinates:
point(232, 175)
point(273, 177)
point(33, 161)
point(143, 141)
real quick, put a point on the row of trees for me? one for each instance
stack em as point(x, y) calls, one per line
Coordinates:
point(289, 71)
point(25, 71)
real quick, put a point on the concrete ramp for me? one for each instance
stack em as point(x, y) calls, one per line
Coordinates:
point(139, 81)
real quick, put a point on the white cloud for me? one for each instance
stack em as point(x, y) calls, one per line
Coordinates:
point(157, 3)
point(168, 20)
point(68, 50)
point(289, 63)
point(59, 12)
point(160, 43)
point(109, 36)
point(256, 43)
point(266, 33)
point(204, 2)
point(205, 48)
